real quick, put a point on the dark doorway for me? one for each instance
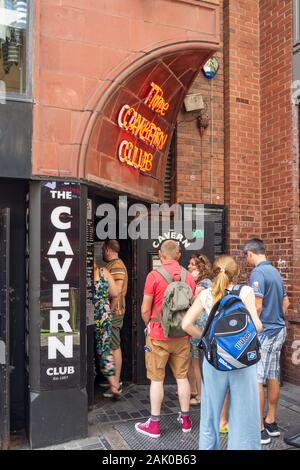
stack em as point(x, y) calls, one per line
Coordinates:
point(13, 196)
point(126, 254)
point(214, 239)
point(4, 328)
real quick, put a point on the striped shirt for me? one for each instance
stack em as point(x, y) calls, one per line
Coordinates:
point(118, 270)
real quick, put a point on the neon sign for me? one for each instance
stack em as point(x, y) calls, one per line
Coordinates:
point(147, 131)
point(156, 101)
point(139, 126)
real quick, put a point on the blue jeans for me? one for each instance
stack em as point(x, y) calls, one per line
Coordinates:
point(244, 411)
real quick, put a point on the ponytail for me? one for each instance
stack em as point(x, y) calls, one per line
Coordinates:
point(225, 269)
point(220, 283)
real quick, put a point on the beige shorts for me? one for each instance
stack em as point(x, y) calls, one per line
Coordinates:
point(158, 353)
point(116, 326)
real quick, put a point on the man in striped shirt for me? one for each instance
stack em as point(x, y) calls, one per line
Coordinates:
point(110, 254)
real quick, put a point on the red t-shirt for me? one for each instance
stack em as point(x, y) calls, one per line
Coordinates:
point(155, 286)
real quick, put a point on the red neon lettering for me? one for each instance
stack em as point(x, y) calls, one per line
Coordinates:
point(139, 126)
point(147, 162)
point(156, 101)
point(135, 156)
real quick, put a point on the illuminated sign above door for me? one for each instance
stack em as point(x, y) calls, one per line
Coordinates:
point(128, 146)
point(147, 131)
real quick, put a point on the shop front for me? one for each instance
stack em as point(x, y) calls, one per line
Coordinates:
point(123, 157)
point(108, 84)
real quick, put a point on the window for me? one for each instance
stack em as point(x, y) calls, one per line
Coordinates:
point(14, 47)
point(296, 21)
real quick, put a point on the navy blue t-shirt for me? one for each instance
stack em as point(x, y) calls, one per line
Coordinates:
point(268, 284)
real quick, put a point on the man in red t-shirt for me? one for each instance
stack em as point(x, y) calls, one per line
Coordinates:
point(160, 350)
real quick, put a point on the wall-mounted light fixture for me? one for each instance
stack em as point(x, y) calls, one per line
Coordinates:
point(202, 122)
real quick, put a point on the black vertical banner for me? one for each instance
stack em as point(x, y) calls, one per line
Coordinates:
point(59, 285)
point(89, 263)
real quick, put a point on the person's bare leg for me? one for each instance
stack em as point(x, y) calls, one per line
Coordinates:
point(184, 393)
point(117, 353)
point(114, 385)
point(273, 392)
point(224, 412)
point(156, 397)
point(262, 405)
point(197, 374)
point(192, 379)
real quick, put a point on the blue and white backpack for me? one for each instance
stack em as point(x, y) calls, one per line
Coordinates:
point(229, 339)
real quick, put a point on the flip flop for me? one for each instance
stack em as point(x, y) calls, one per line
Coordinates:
point(195, 401)
point(224, 429)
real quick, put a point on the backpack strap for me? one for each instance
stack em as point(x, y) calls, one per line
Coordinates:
point(167, 277)
point(210, 319)
point(236, 290)
point(183, 274)
point(157, 319)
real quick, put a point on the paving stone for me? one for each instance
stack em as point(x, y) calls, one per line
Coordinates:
point(124, 415)
point(113, 418)
point(113, 422)
point(94, 447)
point(102, 418)
point(136, 414)
point(106, 444)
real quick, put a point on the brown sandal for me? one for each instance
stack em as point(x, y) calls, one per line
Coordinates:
point(195, 401)
point(116, 392)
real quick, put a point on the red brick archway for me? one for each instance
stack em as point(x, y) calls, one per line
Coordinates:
point(172, 69)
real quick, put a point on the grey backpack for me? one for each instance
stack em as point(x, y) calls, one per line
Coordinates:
point(177, 300)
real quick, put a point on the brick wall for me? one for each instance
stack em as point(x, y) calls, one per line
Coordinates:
point(279, 170)
point(200, 162)
point(253, 167)
point(242, 121)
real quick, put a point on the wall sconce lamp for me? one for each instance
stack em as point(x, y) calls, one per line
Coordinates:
point(202, 122)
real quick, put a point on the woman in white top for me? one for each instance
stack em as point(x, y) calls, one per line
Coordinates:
point(244, 414)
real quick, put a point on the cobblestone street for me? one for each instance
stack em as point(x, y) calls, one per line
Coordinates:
point(111, 423)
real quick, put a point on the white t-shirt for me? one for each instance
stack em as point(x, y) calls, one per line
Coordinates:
point(207, 298)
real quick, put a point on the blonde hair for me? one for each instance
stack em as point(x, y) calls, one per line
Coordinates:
point(170, 249)
point(225, 269)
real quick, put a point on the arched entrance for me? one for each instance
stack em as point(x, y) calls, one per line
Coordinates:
point(126, 142)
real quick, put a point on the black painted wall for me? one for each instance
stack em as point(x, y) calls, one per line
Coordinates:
point(15, 139)
point(13, 195)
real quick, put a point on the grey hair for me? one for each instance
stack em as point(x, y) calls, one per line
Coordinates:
point(256, 246)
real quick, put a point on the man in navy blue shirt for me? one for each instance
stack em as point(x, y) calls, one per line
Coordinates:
point(271, 303)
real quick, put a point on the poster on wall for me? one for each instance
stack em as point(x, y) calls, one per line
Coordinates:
point(59, 285)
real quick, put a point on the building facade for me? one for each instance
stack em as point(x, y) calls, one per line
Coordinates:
point(94, 108)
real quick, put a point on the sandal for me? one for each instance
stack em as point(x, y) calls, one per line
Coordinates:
point(194, 401)
point(224, 429)
point(116, 392)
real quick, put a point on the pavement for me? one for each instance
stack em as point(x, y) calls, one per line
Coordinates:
point(111, 423)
